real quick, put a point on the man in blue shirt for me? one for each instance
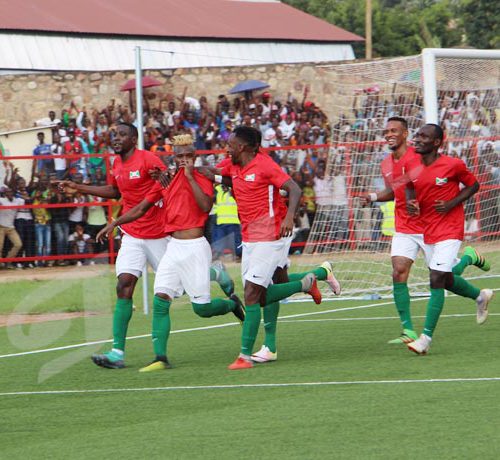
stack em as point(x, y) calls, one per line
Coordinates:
point(43, 149)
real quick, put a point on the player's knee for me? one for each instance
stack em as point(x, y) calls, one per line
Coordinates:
point(125, 286)
point(202, 309)
point(400, 274)
point(437, 279)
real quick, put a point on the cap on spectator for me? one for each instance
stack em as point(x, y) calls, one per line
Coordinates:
point(308, 104)
point(252, 106)
point(266, 95)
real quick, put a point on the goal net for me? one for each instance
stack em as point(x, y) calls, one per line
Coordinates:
point(357, 238)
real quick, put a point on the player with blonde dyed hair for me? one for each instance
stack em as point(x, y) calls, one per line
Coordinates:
point(185, 265)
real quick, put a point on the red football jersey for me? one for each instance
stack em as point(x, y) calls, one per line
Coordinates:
point(441, 181)
point(396, 178)
point(183, 212)
point(134, 182)
point(256, 190)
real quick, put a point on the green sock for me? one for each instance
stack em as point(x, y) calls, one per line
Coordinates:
point(434, 308)
point(161, 325)
point(402, 300)
point(276, 292)
point(319, 272)
point(213, 274)
point(459, 268)
point(270, 322)
point(250, 328)
point(216, 307)
point(121, 318)
point(463, 288)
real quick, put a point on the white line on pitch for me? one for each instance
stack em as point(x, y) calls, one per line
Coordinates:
point(204, 328)
point(251, 385)
point(377, 318)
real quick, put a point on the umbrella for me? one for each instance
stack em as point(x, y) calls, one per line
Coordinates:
point(147, 82)
point(248, 85)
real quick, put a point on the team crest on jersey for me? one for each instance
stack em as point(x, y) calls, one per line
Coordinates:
point(442, 181)
point(250, 177)
point(135, 174)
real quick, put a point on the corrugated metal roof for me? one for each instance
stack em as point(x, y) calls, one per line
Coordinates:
point(234, 19)
point(70, 53)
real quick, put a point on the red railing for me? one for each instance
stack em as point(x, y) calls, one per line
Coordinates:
point(349, 151)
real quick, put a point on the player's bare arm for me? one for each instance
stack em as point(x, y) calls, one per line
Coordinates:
point(104, 191)
point(294, 194)
point(445, 206)
point(385, 195)
point(204, 201)
point(214, 174)
point(163, 177)
point(133, 214)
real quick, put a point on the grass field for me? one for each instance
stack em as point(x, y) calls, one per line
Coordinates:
point(337, 391)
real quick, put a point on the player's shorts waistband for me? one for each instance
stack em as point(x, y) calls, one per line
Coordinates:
point(190, 241)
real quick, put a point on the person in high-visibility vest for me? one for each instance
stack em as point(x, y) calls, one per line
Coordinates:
point(388, 223)
point(227, 231)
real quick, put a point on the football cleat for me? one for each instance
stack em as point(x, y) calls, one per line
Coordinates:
point(310, 286)
point(159, 364)
point(330, 278)
point(239, 310)
point(477, 259)
point(222, 277)
point(109, 360)
point(406, 337)
point(240, 363)
point(420, 346)
point(264, 355)
point(485, 295)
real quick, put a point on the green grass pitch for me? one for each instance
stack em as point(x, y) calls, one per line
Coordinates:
point(337, 391)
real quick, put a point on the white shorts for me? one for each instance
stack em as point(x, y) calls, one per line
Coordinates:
point(185, 266)
point(135, 252)
point(407, 245)
point(442, 256)
point(259, 260)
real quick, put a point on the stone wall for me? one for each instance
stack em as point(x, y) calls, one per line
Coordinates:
point(28, 97)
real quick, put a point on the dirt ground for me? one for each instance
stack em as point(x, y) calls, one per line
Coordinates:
point(13, 319)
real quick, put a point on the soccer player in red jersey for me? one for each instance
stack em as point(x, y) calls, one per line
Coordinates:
point(185, 265)
point(143, 240)
point(439, 204)
point(409, 238)
point(266, 231)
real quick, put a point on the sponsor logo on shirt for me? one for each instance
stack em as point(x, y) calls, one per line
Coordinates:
point(442, 181)
point(250, 178)
point(135, 174)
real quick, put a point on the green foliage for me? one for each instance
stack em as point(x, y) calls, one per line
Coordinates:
point(480, 20)
point(404, 27)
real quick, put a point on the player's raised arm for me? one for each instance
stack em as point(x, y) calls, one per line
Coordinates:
point(133, 214)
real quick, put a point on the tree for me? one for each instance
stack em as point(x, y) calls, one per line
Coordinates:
point(404, 27)
point(480, 20)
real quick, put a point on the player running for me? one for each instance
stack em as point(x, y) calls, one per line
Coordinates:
point(409, 239)
point(185, 265)
point(439, 201)
point(266, 231)
point(143, 240)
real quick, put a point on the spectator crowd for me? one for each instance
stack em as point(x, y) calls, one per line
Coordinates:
point(330, 189)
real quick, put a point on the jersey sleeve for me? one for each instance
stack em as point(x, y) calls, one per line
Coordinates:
point(225, 167)
point(155, 194)
point(205, 184)
point(464, 175)
point(154, 161)
point(276, 175)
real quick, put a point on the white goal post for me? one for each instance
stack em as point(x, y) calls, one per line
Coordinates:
point(429, 56)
